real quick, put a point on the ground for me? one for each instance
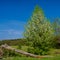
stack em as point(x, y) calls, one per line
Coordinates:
point(57, 57)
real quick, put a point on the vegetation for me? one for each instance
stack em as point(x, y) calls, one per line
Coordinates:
point(57, 57)
point(56, 25)
point(13, 42)
point(39, 33)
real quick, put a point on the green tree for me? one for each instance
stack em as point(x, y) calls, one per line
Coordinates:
point(39, 32)
point(56, 25)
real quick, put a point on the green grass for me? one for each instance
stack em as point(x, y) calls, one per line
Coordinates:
point(24, 48)
point(56, 57)
point(14, 47)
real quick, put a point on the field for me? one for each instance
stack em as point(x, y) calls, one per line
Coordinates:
point(57, 57)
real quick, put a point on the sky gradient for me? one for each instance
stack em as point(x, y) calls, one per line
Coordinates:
point(14, 14)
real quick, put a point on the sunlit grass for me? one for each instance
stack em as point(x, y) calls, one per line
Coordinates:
point(56, 57)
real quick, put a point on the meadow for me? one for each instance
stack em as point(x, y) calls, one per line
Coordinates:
point(56, 57)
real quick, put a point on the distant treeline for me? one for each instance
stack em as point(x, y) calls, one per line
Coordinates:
point(13, 42)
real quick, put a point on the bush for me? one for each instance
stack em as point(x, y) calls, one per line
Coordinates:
point(9, 53)
point(30, 50)
point(19, 46)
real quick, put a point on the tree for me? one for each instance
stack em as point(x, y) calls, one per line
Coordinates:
point(56, 25)
point(39, 32)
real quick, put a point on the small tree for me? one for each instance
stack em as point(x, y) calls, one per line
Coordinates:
point(56, 25)
point(39, 32)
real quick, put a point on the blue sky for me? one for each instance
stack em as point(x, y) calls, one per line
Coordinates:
point(14, 14)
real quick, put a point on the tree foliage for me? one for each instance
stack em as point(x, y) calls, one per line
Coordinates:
point(56, 25)
point(39, 32)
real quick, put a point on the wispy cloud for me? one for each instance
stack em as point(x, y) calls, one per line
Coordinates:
point(12, 29)
point(16, 32)
point(11, 34)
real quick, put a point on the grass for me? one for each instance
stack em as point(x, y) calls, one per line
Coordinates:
point(14, 47)
point(24, 48)
point(56, 57)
